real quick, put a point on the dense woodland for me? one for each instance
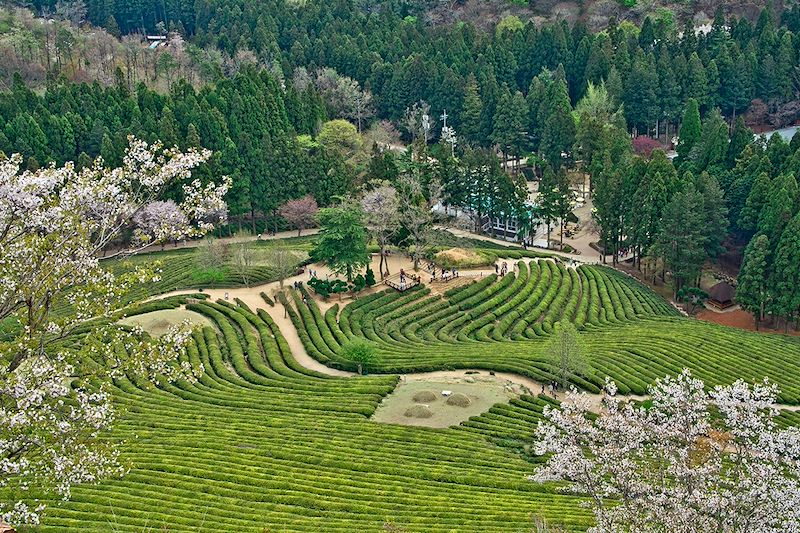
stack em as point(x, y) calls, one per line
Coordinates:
point(567, 98)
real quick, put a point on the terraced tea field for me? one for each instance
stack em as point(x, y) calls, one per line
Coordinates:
point(631, 334)
point(261, 443)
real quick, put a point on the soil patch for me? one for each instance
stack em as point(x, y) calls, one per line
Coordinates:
point(738, 318)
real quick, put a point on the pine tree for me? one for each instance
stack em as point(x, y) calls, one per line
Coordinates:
point(740, 138)
point(548, 200)
point(751, 291)
point(558, 134)
point(786, 272)
point(697, 82)
point(681, 240)
point(777, 212)
point(715, 213)
point(756, 200)
point(690, 131)
point(646, 209)
point(471, 112)
point(711, 150)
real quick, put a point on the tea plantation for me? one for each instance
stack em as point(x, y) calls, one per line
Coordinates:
point(631, 334)
point(261, 444)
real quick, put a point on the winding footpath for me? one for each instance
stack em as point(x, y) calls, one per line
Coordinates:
point(252, 297)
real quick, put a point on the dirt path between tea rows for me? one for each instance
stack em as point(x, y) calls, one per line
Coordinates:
point(252, 297)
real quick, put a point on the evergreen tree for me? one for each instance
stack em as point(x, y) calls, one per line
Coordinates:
point(715, 213)
point(470, 118)
point(756, 200)
point(690, 132)
point(681, 240)
point(740, 138)
point(752, 289)
point(777, 211)
point(646, 209)
point(783, 282)
point(710, 152)
point(697, 81)
point(558, 134)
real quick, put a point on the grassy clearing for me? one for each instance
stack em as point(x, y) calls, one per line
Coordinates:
point(482, 395)
point(156, 323)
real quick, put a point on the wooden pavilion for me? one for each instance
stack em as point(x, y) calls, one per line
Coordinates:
point(721, 295)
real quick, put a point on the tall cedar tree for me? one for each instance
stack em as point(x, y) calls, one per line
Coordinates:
point(681, 241)
point(690, 131)
point(785, 279)
point(752, 290)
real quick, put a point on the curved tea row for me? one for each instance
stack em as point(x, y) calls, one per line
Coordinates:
point(630, 334)
point(259, 443)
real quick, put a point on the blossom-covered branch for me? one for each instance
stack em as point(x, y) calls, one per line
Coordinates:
point(53, 224)
point(694, 461)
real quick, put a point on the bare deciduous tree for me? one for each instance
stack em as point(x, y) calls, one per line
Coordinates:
point(565, 352)
point(243, 254)
point(381, 208)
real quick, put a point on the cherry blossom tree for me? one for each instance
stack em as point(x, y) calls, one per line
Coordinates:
point(300, 213)
point(381, 210)
point(697, 460)
point(54, 222)
point(160, 221)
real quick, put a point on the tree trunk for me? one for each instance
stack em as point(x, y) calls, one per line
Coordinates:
point(548, 235)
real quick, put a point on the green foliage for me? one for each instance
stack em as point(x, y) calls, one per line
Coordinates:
point(691, 130)
point(752, 289)
point(360, 352)
point(692, 297)
point(369, 278)
point(209, 276)
point(359, 282)
point(341, 242)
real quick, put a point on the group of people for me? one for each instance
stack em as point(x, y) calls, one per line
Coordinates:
point(446, 274)
point(403, 277)
point(552, 388)
point(312, 274)
point(502, 269)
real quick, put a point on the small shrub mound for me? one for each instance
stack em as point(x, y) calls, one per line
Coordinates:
point(461, 258)
point(459, 400)
point(424, 396)
point(419, 411)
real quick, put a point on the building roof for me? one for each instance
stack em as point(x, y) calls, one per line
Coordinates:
point(722, 292)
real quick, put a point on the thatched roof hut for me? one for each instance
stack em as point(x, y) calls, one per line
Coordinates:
point(721, 295)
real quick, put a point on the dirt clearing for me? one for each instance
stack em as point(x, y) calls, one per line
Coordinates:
point(420, 402)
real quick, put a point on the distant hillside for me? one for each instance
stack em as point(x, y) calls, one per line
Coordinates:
point(596, 14)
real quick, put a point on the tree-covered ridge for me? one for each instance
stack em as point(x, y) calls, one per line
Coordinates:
point(652, 70)
point(248, 121)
